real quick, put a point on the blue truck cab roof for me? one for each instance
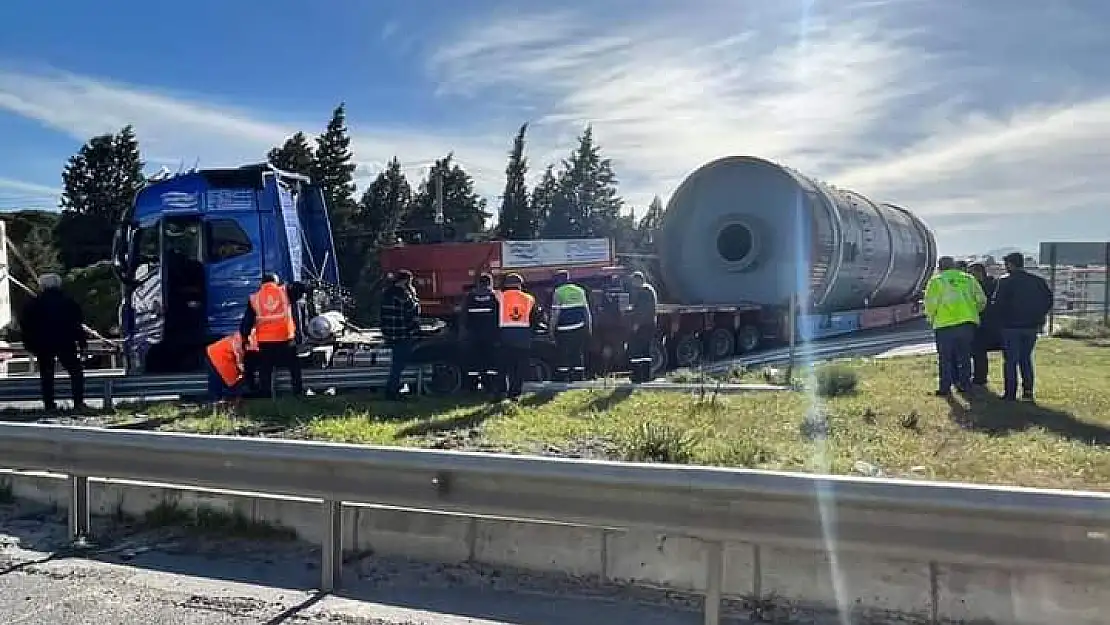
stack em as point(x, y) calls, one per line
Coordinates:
point(283, 213)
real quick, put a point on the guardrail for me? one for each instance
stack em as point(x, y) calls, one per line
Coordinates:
point(817, 350)
point(960, 523)
point(109, 386)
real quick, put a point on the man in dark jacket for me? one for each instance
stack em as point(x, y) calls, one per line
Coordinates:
point(987, 337)
point(53, 330)
point(400, 317)
point(478, 331)
point(642, 317)
point(1022, 302)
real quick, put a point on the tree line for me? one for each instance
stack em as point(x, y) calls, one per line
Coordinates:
point(576, 198)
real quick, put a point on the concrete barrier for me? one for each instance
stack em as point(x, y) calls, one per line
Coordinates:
point(874, 589)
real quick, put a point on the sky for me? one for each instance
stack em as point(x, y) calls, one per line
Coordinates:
point(989, 119)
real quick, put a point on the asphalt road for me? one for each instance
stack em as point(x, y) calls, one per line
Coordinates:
point(172, 577)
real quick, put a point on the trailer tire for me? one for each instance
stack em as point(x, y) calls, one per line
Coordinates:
point(658, 358)
point(688, 351)
point(445, 378)
point(748, 339)
point(721, 343)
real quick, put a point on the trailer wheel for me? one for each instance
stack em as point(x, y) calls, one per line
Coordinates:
point(445, 378)
point(658, 358)
point(688, 351)
point(748, 339)
point(721, 343)
point(539, 370)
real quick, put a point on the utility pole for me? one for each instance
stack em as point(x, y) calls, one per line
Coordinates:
point(437, 176)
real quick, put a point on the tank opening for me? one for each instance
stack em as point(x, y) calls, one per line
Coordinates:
point(734, 242)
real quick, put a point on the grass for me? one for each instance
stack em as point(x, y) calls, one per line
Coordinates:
point(211, 521)
point(874, 417)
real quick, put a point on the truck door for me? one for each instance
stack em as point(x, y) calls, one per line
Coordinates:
point(147, 319)
point(233, 267)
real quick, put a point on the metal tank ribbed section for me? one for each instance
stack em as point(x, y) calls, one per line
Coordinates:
point(743, 229)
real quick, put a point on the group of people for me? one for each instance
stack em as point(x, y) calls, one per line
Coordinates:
point(973, 313)
point(497, 328)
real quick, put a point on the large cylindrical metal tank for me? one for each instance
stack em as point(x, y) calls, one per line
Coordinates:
point(743, 229)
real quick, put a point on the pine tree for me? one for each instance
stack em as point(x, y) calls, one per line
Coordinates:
point(590, 189)
point(294, 156)
point(99, 185)
point(517, 221)
point(542, 203)
point(464, 211)
point(648, 225)
point(334, 172)
point(383, 207)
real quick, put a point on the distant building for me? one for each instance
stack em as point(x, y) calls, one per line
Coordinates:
point(1076, 290)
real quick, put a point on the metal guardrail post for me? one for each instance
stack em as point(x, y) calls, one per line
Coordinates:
point(331, 557)
point(420, 381)
point(79, 516)
point(714, 580)
point(107, 395)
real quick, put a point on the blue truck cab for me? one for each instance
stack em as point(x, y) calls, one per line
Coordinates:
point(194, 248)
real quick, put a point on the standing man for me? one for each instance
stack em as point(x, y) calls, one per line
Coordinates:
point(270, 315)
point(642, 317)
point(572, 326)
point(400, 316)
point(612, 327)
point(987, 338)
point(479, 333)
point(517, 319)
point(1022, 301)
point(54, 330)
point(953, 300)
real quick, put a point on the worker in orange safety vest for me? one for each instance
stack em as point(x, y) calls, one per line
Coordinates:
point(270, 316)
point(517, 316)
point(225, 368)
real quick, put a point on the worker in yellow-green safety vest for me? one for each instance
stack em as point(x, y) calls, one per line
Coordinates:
point(572, 326)
point(953, 301)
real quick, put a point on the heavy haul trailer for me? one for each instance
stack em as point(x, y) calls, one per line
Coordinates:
point(687, 334)
point(741, 239)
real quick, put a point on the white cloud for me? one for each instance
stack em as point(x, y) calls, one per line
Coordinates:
point(25, 190)
point(1043, 159)
point(859, 103)
point(664, 99)
point(177, 130)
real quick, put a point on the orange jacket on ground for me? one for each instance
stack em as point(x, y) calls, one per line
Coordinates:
point(226, 356)
point(273, 315)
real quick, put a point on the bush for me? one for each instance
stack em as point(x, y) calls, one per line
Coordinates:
point(97, 290)
point(1084, 329)
point(653, 441)
point(835, 381)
